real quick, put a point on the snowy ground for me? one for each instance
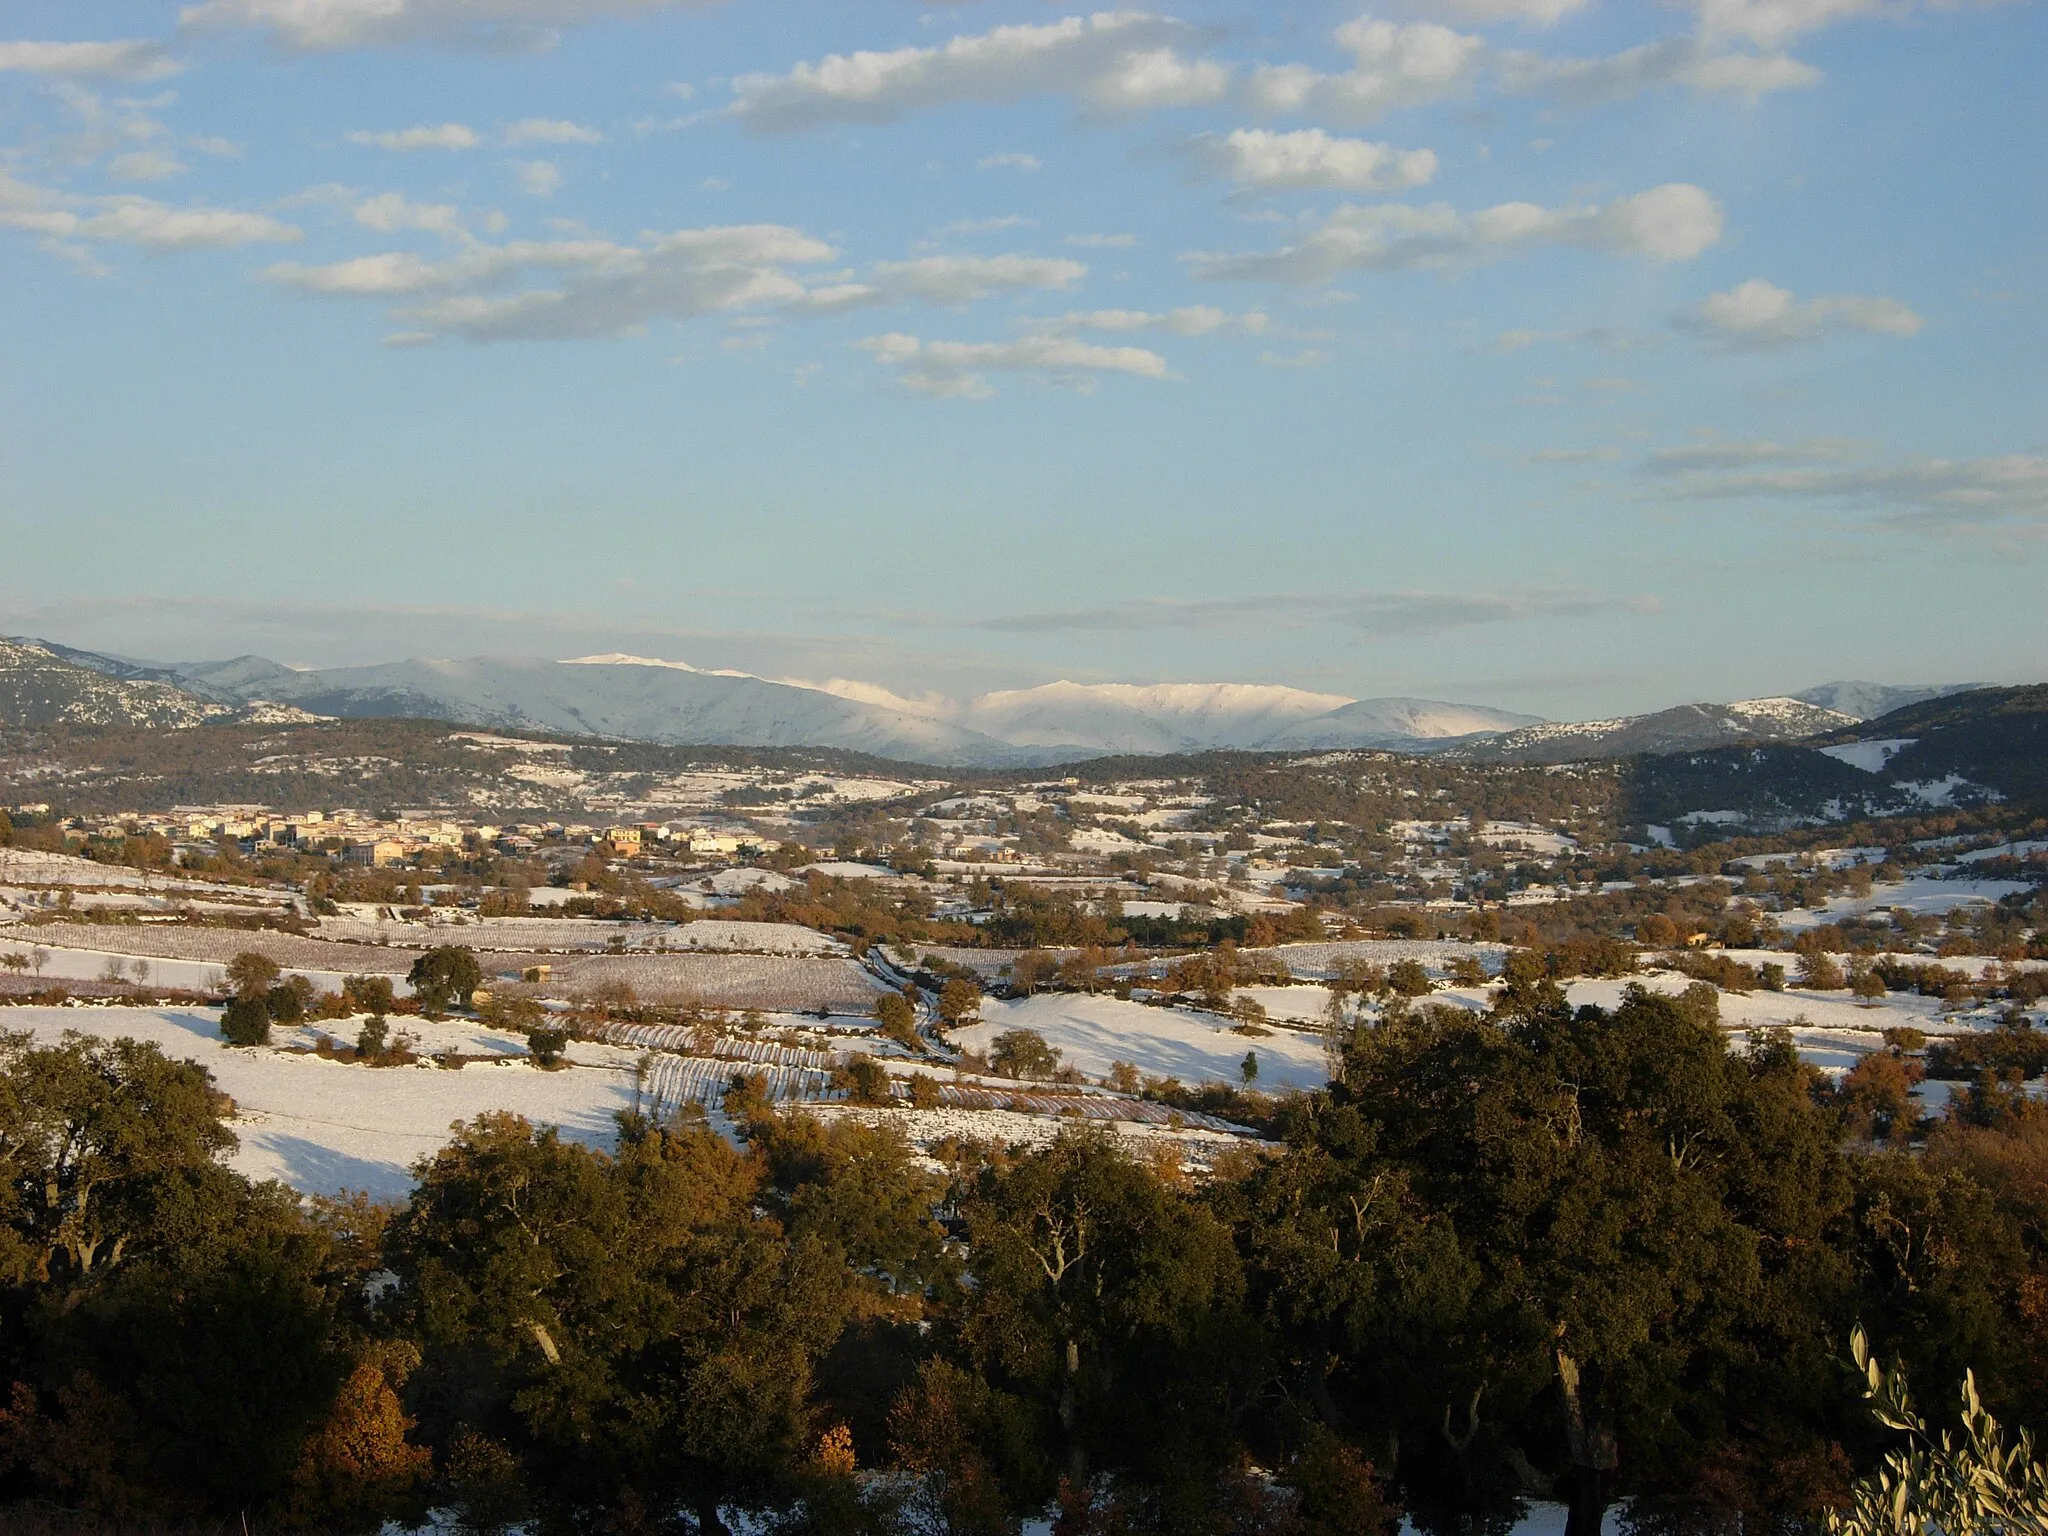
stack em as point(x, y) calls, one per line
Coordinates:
point(1319, 961)
point(767, 938)
point(1091, 1032)
point(182, 975)
point(325, 1126)
point(1922, 895)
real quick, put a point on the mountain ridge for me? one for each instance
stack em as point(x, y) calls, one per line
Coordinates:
point(638, 698)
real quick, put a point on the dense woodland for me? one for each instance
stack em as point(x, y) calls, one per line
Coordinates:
point(1542, 1253)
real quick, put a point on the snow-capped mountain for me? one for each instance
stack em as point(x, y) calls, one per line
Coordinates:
point(654, 699)
point(648, 698)
point(1157, 717)
point(1866, 701)
point(1398, 723)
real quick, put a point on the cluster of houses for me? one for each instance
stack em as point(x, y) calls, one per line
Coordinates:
point(357, 838)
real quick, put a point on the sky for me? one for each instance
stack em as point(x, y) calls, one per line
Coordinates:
point(1569, 356)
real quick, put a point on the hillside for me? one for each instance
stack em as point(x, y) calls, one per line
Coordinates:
point(40, 687)
point(1688, 727)
point(1986, 744)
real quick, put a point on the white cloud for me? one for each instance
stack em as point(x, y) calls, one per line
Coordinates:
point(1758, 315)
point(382, 276)
point(132, 220)
point(322, 26)
point(405, 140)
point(988, 226)
point(538, 178)
point(1158, 77)
point(1310, 159)
point(589, 288)
point(213, 144)
point(1534, 13)
point(1575, 455)
point(1103, 242)
point(145, 165)
point(1012, 162)
point(1768, 23)
point(1412, 64)
point(1189, 320)
point(1674, 222)
point(1394, 66)
point(132, 58)
point(389, 212)
point(1112, 61)
point(955, 369)
point(551, 130)
point(963, 279)
point(1694, 63)
point(1307, 357)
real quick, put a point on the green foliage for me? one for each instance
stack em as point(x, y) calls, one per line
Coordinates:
point(1407, 978)
point(626, 1322)
point(372, 1038)
point(245, 1021)
point(1110, 1304)
point(444, 978)
point(897, 1016)
point(251, 976)
point(547, 1043)
point(1023, 1053)
point(286, 1004)
point(1966, 1481)
point(866, 1080)
point(367, 994)
point(959, 1001)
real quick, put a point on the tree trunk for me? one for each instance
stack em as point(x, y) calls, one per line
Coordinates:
point(1069, 1410)
point(708, 1522)
point(1588, 1507)
point(1595, 1454)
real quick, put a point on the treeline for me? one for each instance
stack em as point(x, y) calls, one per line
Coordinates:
point(1547, 1253)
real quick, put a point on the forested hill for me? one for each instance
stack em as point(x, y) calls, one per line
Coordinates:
point(1989, 745)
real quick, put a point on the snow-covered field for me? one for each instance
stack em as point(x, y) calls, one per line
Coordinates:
point(325, 1126)
point(494, 933)
point(728, 981)
point(64, 965)
point(1091, 1032)
point(1922, 895)
point(213, 946)
point(766, 938)
point(1319, 962)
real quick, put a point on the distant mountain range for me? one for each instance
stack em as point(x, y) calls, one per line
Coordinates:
point(648, 699)
point(38, 686)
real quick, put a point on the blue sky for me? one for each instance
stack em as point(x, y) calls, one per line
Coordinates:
point(1566, 355)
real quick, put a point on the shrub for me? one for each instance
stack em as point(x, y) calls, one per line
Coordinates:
point(866, 1081)
point(546, 1043)
point(245, 1021)
point(897, 1016)
point(1407, 978)
point(252, 975)
point(372, 1038)
point(1023, 1053)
